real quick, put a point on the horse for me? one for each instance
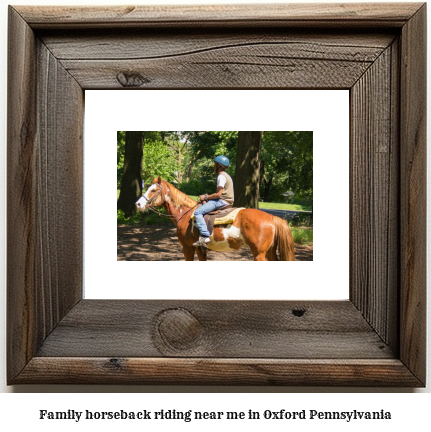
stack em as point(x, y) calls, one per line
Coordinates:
point(263, 233)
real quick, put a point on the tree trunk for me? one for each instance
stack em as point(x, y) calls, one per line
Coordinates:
point(247, 175)
point(131, 185)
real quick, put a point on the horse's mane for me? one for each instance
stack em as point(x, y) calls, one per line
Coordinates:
point(178, 197)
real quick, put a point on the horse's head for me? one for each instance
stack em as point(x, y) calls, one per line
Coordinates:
point(153, 196)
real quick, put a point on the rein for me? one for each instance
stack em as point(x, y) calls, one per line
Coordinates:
point(172, 217)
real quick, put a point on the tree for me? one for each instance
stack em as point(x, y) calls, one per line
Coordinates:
point(247, 173)
point(177, 142)
point(121, 142)
point(286, 164)
point(158, 160)
point(131, 183)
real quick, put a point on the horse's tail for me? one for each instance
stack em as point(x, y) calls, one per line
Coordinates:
point(283, 240)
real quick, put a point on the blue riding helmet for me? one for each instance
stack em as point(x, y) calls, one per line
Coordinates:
point(222, 160)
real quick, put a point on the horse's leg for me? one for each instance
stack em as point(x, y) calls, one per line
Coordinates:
point(259, 256)
point(202, 253)
point(189, 253)
point(259, 252)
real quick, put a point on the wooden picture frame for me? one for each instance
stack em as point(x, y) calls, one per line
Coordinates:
point(376, 338)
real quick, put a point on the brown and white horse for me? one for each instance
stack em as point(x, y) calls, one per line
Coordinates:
point(264, 234)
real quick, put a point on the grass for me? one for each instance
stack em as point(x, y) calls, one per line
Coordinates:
point(285, 206)
point(298, 206)
point(303, 236)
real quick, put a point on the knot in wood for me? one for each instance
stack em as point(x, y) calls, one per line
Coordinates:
point(115, 363)
point(131, 79)
point(178, 329)
point(298, 312)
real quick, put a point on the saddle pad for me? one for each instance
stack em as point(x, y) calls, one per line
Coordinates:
point(225, 218)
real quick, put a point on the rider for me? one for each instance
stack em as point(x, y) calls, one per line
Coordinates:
point(222, 197)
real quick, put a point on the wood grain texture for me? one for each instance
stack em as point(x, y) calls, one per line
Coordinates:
point(142, 44)
point(21, 195)
point(45, 105)
point(225, 60)
point(197, 371)
point(268, 15)
point(374, 195)
point(226, 329)
point(59, 183)
point(413, 194)
point(54, 336)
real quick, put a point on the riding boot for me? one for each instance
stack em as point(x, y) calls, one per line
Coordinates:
point(202, 241)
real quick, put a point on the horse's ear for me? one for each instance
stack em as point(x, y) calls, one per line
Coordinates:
point(155, 180)
point(159, 180)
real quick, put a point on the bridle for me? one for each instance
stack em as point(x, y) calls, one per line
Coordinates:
point(150, 207)
point(149, 202)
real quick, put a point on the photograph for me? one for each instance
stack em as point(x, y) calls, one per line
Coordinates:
point(215, 195)
point(337, 92)
point(281, 185)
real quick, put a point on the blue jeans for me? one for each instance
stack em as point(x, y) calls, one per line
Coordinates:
point(210, 206)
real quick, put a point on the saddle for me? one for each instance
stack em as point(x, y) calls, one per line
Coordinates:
point(222, 216)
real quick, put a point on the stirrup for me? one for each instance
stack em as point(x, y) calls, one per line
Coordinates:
point(202, 241)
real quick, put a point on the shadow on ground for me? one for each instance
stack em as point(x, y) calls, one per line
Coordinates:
point(160, 243)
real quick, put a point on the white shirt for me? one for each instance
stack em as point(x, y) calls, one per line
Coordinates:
point(221, 181)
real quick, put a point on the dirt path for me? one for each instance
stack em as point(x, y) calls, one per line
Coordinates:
point(160, 243)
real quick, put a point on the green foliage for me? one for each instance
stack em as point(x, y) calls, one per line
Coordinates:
point(287, 165)
point(302, 220)
point(302, 235)
point(121, 144)
point(304, 204)
point(202, 148)
point(134, 220)
point(142, 218)
point(158, 160)
point(185, 158)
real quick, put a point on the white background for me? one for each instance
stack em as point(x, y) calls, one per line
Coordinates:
point(326, 113)
point(21, 410)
